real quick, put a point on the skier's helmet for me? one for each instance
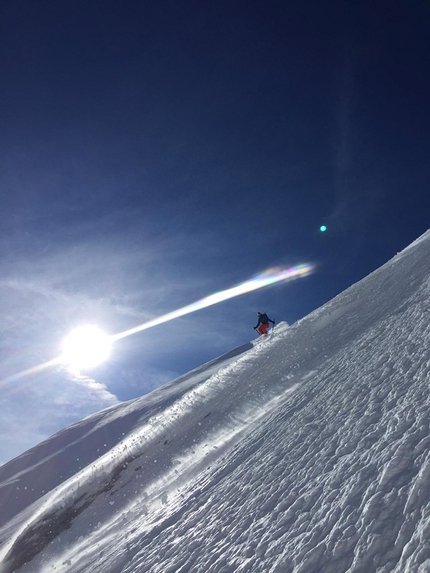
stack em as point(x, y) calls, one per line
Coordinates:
point(259, 313)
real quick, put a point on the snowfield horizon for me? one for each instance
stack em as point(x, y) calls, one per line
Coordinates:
point(305, 452)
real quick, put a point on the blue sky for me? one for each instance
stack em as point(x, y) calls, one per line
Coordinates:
point(152, 154)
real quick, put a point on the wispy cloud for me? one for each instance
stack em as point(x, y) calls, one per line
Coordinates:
point(358, 189)
point(116, 283)
point(40, 405)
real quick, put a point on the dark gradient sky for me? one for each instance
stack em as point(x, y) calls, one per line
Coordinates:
point(154, 153)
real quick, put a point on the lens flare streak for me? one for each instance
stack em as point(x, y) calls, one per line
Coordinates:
point(267, 278)
point(29, 371)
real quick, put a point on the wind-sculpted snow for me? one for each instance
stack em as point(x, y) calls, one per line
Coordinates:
point(308, 452)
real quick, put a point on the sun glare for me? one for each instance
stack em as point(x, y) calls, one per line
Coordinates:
point(86, 347)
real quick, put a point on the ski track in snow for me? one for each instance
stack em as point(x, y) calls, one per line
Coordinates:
point(308, 453)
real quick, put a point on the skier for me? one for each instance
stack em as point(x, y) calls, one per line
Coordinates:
point(263, 323)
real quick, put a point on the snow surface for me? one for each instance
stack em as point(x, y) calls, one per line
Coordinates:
point(305, 452)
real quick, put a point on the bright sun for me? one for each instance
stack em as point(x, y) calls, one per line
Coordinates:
point(86, 347)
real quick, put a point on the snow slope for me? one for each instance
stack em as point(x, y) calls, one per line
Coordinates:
point(307, 452)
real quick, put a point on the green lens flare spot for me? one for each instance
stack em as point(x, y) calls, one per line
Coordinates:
point(323, 228)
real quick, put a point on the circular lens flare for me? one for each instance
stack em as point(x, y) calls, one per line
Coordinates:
point(86, 347)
